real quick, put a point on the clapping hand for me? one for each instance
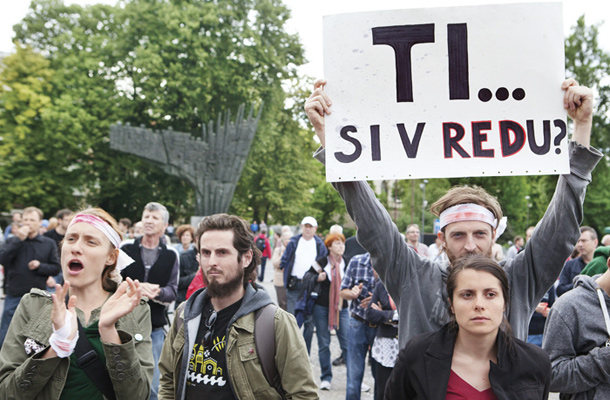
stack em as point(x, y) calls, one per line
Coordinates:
point(121, 303)
point(58, 314)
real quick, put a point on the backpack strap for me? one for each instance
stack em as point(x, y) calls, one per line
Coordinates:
point(264, 339)
point(90, 363)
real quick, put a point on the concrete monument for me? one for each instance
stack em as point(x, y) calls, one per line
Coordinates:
point(211, 163)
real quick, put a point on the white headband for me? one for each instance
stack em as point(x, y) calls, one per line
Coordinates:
point(472, 212)
point(123, 260)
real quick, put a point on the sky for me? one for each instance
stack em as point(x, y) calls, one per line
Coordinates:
point(307, 19)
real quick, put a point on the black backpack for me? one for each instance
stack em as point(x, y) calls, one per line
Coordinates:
point(260, 243)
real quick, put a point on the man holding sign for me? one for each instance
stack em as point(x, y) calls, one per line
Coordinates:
point(469, 222)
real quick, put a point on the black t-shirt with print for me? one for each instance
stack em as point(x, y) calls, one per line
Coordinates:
point(207, 370)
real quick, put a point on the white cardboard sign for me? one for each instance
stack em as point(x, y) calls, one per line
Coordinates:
point(445, 92)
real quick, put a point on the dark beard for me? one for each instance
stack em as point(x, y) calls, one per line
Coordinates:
point(220, 290)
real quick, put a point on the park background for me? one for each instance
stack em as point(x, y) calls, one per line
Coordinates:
point(75, 68)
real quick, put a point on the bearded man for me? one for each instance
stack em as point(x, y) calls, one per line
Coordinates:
point(211, 352)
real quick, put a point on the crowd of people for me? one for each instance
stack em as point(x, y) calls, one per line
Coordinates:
point(88, 299)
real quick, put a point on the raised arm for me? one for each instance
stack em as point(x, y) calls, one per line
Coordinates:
point(578, 101)
point(317, 106)
point(538, 266)
point(393, 260)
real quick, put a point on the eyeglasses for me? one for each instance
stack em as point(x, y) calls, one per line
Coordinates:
point(209, 334)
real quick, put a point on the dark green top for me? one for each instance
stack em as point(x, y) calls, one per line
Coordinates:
point(78, 385)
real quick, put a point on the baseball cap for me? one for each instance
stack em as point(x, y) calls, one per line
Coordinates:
point(309, 220)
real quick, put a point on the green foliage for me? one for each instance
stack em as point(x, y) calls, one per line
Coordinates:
point(327, 207)
point(157, 64)
point(36, 159)
point(590, 66)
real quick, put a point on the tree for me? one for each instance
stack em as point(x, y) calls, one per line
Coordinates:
point(590, 66)
point(33, 167)
point(159, 64)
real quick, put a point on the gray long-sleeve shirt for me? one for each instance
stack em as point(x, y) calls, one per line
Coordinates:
point(418, 285)
point(575, 337)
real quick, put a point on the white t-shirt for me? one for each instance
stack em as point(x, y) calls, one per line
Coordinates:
point(304, 257)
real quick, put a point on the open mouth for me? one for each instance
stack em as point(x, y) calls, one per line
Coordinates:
point(75, 266)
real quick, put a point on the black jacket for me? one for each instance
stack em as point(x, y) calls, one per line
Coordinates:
point(188, 269)
point(15, 257)
point(324, 295)
point(383, 318)
point(160, 273)
point(523, 371)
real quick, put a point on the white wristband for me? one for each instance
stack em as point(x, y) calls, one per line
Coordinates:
point(60, 341)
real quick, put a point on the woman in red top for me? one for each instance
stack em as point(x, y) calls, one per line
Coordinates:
point(475, 356)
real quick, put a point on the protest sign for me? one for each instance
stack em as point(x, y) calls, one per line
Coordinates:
point(445, 92)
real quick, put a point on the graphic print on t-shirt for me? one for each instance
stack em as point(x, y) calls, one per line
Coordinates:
point(208, 376)
point(206, 367)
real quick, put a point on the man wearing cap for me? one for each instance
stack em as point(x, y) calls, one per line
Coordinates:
point(299, 256)
point(470, 221)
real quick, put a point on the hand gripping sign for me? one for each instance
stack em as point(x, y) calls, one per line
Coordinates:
point(445, 92)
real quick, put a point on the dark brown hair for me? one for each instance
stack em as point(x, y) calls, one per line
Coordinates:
point(243, 241)
point(479, 262)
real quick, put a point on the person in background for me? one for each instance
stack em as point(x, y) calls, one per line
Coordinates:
point(278, 275)
point(586, 245)
point(262, 243)
point(536, 329)
point(384, 352)
point(64, 217)
point(497, 253)
point(185, 234)
point(357, 287)
point(189, 265)
point(412, 237)
point(476, 354)
point(29, 259)
point(138, 229)
point(330, 310)
point(436, 251)
point(157, 267)
point(576, 337)
point(124, 225)
point(299, 256)
point(53, 222)
point(16, 222)
point(518, 243)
